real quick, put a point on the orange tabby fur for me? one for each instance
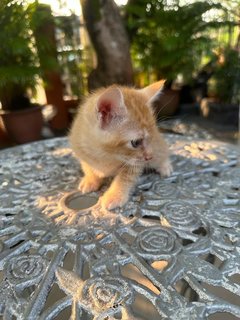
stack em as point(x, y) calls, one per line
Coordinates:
point(101, 138)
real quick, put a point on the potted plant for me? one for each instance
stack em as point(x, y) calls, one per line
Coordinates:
point(222, 103)
point(21, 119)
point(168, 40)
point(227, 75)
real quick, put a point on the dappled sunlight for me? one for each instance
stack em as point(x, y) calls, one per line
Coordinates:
point(209, 152)
point(61, 152)
point(75, 209)
point(63, 8)
point(59, 200)
point(70, 6)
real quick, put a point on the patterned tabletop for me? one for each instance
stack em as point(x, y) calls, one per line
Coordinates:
point(168, 254)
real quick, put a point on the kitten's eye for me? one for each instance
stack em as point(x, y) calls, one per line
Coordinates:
point(136, 143)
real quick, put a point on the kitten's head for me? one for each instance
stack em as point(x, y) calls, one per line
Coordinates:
point(126, 119)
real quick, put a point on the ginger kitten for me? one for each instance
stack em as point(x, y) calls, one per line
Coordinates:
point(115, 134)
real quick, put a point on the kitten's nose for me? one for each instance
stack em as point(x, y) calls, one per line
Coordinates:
point(147, 157)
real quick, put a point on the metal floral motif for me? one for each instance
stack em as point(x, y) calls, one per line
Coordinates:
point(25, 269)
point(99, 295)
point(175, 241)
point(181, 215)
point(106, 292)
point(156, 243)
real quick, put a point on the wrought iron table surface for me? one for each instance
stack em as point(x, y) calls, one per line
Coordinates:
point(58, 261)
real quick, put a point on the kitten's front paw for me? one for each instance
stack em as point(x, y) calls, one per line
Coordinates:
point(88, 185)
point(111, 200)
point(166, 169)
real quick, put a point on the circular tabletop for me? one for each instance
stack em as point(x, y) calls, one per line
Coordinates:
point(172, 252)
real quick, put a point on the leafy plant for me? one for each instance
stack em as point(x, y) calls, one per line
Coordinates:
point(226, 77)
point(168, 38)
point(18, 60)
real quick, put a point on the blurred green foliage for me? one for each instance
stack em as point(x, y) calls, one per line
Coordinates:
point(226, 77)
point(18, 61)
point(173, 37)
point(22, 58)
point(168, 38)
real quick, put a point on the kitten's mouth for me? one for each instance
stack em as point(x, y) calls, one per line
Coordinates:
point(135, 163)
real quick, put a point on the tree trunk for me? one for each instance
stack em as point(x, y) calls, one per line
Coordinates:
point(110, 40)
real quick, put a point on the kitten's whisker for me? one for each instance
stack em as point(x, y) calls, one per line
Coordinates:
point(123, 167)
point(164, 106)
point(163, 118)
point(130, 169)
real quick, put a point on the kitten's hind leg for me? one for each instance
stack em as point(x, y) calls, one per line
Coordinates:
point(91, 181)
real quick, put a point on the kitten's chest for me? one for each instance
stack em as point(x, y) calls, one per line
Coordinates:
point(106, 170)
point(97, 157)
point(102, 165)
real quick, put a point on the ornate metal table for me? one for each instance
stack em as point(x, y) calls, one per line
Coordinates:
point(168, 254)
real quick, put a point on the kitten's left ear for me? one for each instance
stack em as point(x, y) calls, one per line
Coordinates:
point(153, 91)
point(111, 109)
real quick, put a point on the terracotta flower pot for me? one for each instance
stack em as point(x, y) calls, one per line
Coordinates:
point(23, 126)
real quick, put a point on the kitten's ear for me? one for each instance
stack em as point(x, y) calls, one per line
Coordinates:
point(153, 91)
point(111, 109)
